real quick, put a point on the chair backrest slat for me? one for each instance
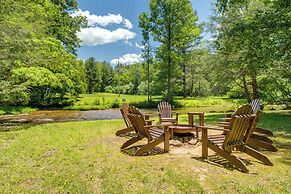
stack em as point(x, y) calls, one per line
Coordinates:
point(256, 105)
point(241, 126)
point(165, 109)
point(124, 112)
point(138, 122)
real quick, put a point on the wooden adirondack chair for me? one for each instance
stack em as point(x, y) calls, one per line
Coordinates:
point(237, 136)
point(152, 133)
point(258, 139)
point(165, 113)
point(129, 128)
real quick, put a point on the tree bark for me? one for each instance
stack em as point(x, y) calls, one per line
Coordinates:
point(184, 73)
point(169, 97)
point(148, 68)
point(255, 87)
point(246, 90)
point(192, 80)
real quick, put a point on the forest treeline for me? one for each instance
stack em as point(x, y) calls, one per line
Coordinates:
point(249, 56)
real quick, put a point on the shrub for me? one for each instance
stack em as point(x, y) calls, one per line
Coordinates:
point(13, 94)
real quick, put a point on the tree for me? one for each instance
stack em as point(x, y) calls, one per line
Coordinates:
point(27, 46)
point(145, 25)
point(64, 27)
point(167, 19)
point(254, 38)
point(106, 76)
point(189, 35)
point(91, 74)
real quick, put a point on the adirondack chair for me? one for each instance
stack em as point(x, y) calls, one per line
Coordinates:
point(258, 139)
point(129, 128)
point(152, 133)
point(237, 136)
point(165, 113)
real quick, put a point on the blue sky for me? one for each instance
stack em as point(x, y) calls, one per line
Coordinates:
point(117, 37)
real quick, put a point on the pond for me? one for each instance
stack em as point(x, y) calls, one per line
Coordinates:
point(49, 116)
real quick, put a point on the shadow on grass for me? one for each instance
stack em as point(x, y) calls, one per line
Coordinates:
point(279, 122)
point(219, 161)
point(132, 150)
point(7, 128)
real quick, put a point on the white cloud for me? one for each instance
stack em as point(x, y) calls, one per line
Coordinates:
point(128, 59)
point(95, 20)
point(97, 36)
point(99, 20)
point(139, 46)
point(127, 24)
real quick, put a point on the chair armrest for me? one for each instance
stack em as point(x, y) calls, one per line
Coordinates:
point(213, 128)
point(146, 116)
point(177, 113)
point(225, 119)
point(149, 126)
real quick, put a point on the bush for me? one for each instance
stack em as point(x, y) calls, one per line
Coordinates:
point(110, 89)
point(44, 88)
point(13, 94)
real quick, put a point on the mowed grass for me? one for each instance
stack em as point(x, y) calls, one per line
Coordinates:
point(107, 100)
point(84, 157)
point(15, 109)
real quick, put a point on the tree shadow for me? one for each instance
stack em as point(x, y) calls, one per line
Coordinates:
point(8, 128)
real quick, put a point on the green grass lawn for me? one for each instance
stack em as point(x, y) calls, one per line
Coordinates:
point(106, 100)
point(15, 109)
point(101, 101)
point(84, 157)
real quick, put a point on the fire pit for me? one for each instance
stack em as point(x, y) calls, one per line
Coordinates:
point(182, 132)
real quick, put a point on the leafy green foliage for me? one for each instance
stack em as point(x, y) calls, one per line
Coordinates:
point(34, 44)
point(13, 94)
point(44, 87)
point(254, 38)
point(174, 26)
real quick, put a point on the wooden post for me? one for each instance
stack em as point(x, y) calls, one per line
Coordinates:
point(191, 120)
point(167, 139)
point(204, 143)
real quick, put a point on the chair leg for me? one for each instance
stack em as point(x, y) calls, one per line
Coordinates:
point(261, 138)
point(167, 140)
point(122, 131)
point(232, 159)
point(130, 142)
point(263, 131)
point(254, 153)
point(149, 146)
point(256, 143)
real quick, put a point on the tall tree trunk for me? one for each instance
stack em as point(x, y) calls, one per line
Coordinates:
point(192, 80)
point(246, 90)
point(169, 97)
point(148, 68)
point(184, 73)
point(255, 87)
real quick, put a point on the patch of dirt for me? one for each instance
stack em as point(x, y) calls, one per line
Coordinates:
point(49, 153)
